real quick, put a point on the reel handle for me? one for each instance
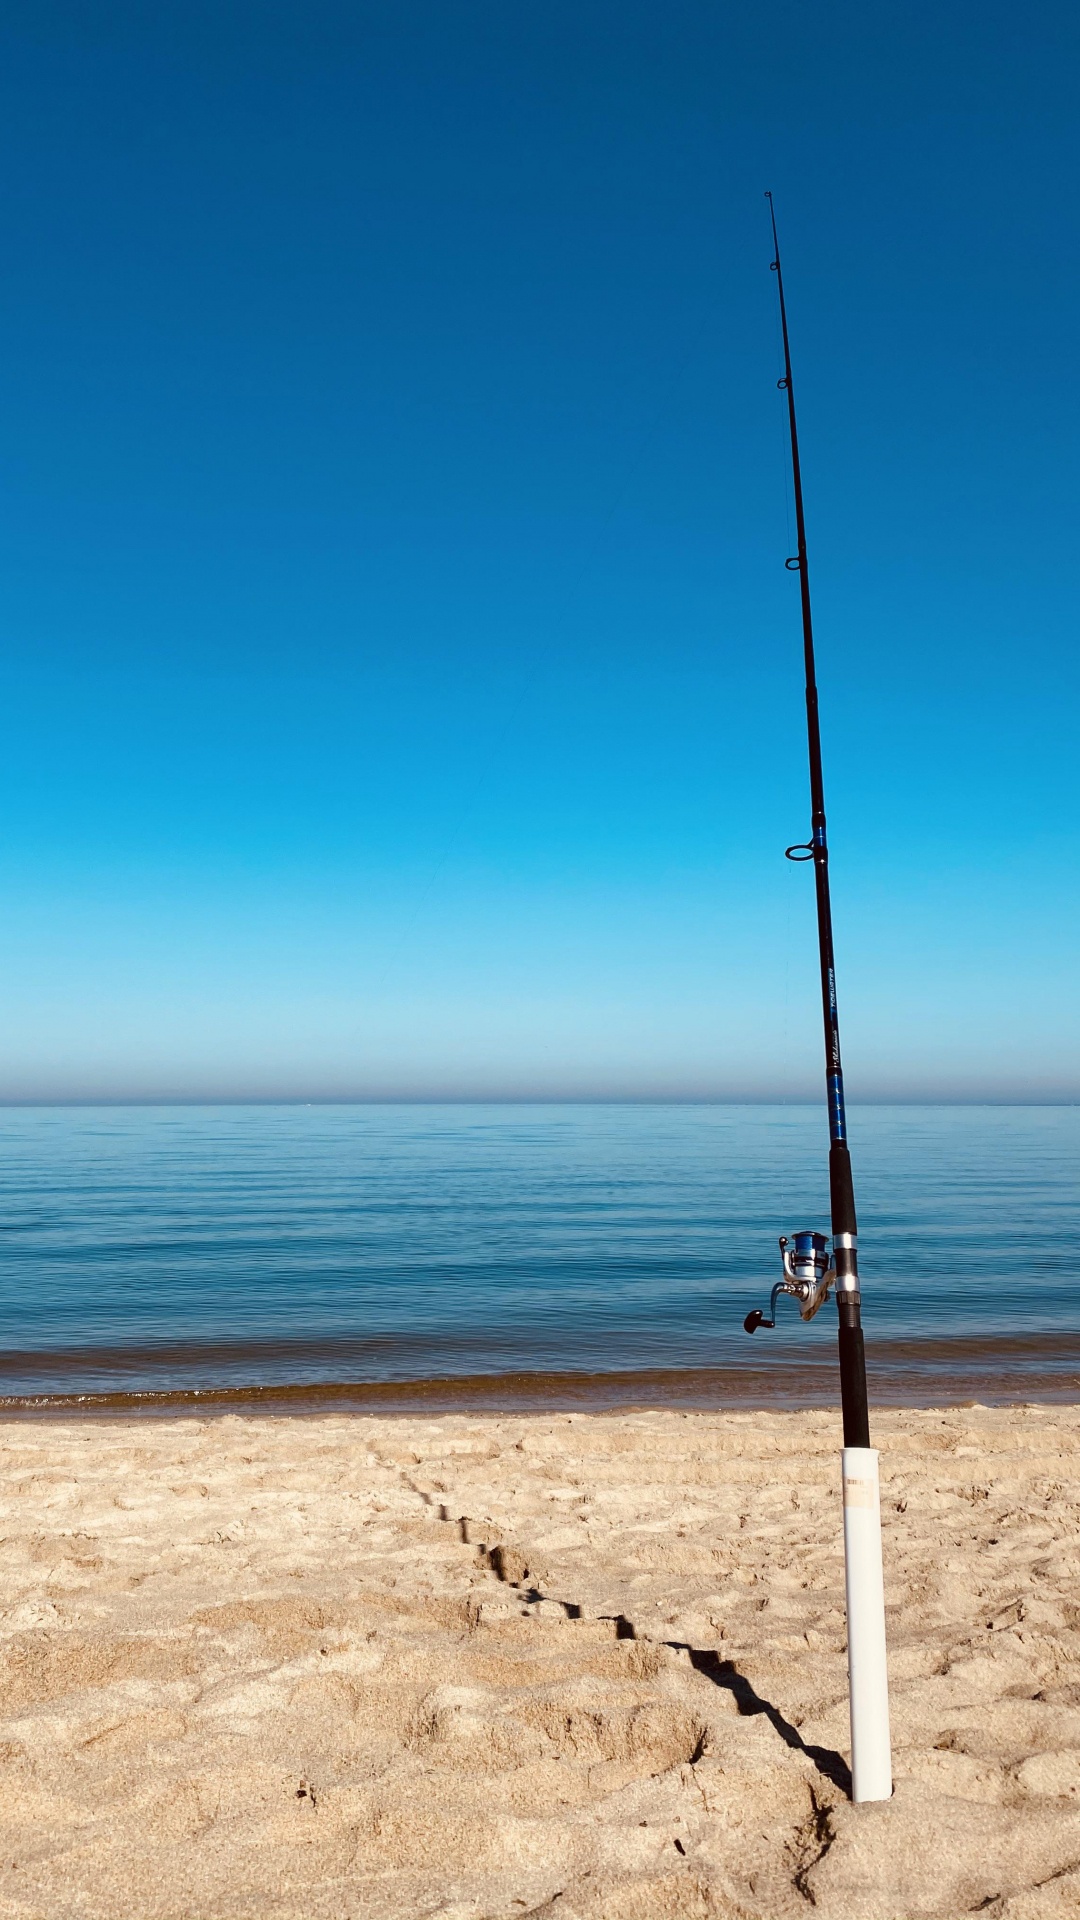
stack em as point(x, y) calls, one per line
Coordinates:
point(756, 1318)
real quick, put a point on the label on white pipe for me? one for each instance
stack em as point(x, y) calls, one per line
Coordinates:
point(871, 1750)
point(860, 1493)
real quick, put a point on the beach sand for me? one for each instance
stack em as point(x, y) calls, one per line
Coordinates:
point(585, 1666)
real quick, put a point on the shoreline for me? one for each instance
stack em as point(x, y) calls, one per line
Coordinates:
point(954, 1371)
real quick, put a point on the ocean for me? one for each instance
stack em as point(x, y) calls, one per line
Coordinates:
point(165, 1257)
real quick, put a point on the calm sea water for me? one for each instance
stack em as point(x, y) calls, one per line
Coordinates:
point(157, 1249)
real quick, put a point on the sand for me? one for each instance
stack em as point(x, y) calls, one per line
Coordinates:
point(584, 1666)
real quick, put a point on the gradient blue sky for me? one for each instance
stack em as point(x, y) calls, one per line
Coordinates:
point(401, 684)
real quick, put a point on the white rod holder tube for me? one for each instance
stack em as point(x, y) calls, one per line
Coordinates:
point(868, 1679)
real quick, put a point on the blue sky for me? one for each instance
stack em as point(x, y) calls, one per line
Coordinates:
point(401, 684)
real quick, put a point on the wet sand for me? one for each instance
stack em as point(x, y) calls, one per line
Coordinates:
point(577, 1665)
point(991, 1369)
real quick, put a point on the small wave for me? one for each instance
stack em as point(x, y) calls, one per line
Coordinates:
point(937, 1371)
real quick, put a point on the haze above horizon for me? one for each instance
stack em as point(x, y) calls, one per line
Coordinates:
point(402, 690)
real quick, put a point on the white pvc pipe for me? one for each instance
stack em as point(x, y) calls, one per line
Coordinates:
point(868, 1679)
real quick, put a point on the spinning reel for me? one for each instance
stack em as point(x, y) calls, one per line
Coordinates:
point(808, 1275)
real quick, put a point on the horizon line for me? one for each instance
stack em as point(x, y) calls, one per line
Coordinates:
point(15, 1103)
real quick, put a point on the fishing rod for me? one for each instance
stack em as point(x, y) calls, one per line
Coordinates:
point(808, 1273)
point(808, 1270)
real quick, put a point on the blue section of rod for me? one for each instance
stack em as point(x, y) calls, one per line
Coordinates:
point(837, 1116)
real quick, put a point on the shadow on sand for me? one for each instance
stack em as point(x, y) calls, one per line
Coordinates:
point(509, 1567)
